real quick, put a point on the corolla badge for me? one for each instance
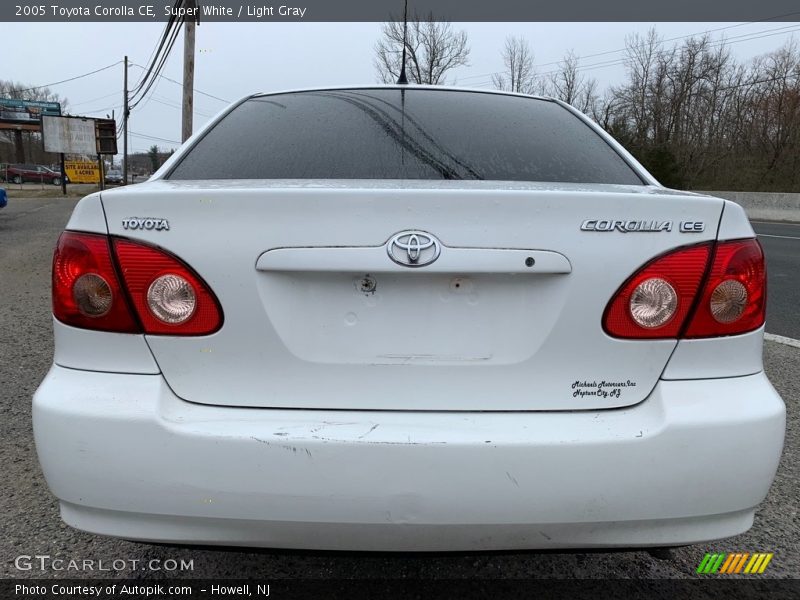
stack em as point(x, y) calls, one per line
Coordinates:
point(626, 226)
point(413, 248)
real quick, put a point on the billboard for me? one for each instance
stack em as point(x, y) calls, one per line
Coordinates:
point(69, 135)
point(28, 112)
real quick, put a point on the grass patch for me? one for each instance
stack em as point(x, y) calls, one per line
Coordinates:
point(34, 191)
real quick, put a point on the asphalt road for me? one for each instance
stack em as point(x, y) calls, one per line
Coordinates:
point(781, 243)
point(29, 518)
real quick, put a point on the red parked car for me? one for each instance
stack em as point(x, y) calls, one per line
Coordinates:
point(35, 173)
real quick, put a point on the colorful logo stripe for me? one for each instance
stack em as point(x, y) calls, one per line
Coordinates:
point(734, 563)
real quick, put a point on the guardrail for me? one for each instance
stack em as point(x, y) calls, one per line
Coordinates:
point(765, 206)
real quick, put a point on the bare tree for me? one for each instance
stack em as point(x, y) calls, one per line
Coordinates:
point(432, 49)
point(689, 111)
point(519, 75)
point(31, 141)
point(22, 91)
point(569, 85)
point(641, 56)
point(774, 127)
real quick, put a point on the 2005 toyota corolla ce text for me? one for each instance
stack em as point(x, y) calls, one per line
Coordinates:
point(407, 318)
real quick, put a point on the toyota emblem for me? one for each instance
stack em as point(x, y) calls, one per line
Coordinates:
point(413, 248)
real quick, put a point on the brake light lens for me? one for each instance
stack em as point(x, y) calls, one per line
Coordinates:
point(728, 301)
point(86, 290)
point(169, 297)
point(92, 295)
point(734, 299)
point(111, 284)
point(655, 301)
point(708, 290)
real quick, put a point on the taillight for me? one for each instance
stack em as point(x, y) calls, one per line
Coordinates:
point(155, 292)
point(86, 290)
point(654, 302)
point(169, 297)
point(664, 299)
point(734, 298)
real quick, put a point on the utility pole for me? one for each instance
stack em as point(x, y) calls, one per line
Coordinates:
point(188, 73)
point(113, 118)
point(19, 147)
point(125, 114)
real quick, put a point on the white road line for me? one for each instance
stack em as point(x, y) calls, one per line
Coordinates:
point(789, 223)
point(787, 341)
point(783, 237)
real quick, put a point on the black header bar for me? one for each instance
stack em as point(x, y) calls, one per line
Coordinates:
point(383, 10)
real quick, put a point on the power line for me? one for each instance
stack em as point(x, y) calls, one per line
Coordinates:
point(151, 75)
point(172, 105)
point(750, 83)
point(736, 40)
point(755, 35)
point(680, 37)
point(683, 37)
point(154, 54)
point(157, 59)
point(150, 97)
point(196, 91)
point(74, 104)
point(39, 87)
point(104, 110)
point(723, 42)
point(153, 137)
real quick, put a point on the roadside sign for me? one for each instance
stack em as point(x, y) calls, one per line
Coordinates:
point(27, 112)
point(69, 135)
point(106, 136)
point(82, 171)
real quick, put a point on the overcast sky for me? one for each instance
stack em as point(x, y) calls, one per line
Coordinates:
point(235, 59)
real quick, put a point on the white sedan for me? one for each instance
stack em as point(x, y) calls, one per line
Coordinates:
point(407, 318)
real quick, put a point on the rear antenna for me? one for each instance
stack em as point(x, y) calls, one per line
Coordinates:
point(403, 80)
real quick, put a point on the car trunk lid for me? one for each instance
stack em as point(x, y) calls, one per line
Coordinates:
point(319, 315)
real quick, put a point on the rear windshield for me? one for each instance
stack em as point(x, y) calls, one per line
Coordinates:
point(403, 134)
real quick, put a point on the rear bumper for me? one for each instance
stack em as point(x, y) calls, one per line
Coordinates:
point(127, 458)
